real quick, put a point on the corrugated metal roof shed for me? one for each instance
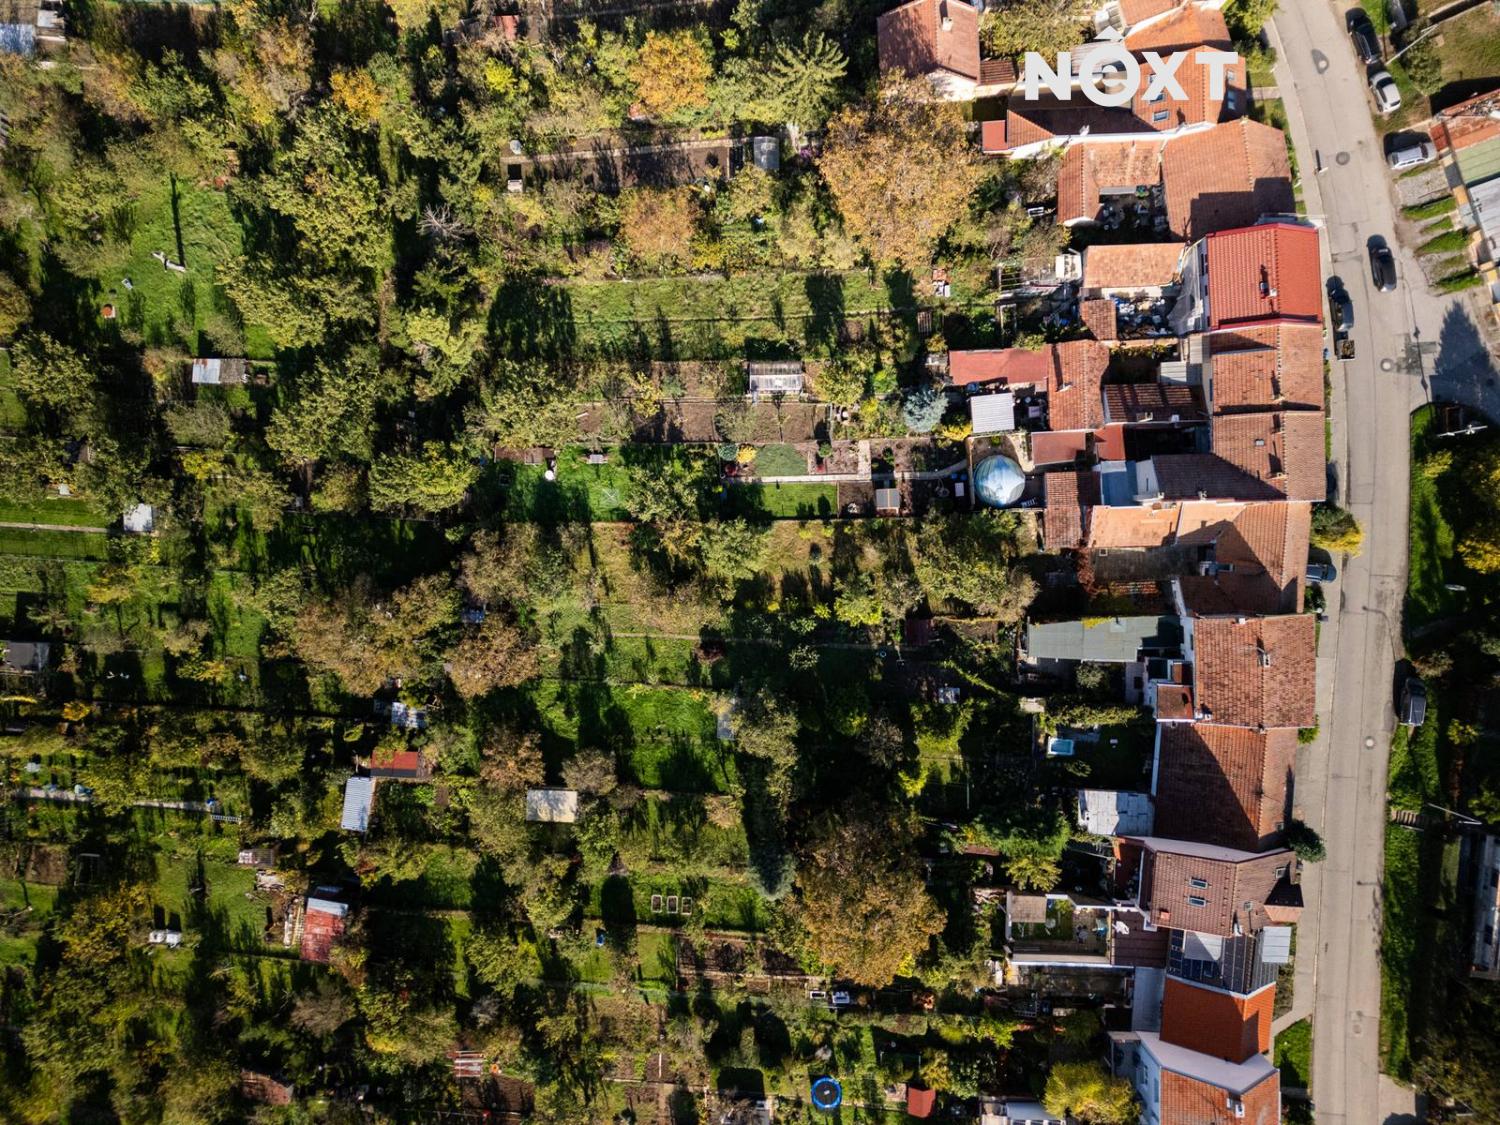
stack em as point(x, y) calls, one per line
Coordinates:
point(1117, 640)
point(359, 796)
point(1112, 812)
point(1480, 162)
point(993, 414)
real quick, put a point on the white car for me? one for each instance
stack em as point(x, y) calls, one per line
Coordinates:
point(1387, 96)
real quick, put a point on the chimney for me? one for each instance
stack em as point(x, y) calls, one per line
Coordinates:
point(947, 21)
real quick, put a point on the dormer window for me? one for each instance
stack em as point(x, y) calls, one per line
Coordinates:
point(1201, 884)
point(1197, 900)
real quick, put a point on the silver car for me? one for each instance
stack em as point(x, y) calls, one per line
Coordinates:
point(1409, 156)
point(1387, 96)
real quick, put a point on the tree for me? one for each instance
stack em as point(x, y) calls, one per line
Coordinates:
point(1480, 546)
point(671, 72)
point(657, 225)
point(54, 380)
point(1246, 18)
point(967, 559)
point(15, 307)
point(1335, 529)
point(1044, 26)
point(591, 771)
point(803, 80)
point(861, 900)
point(922, 408)
point(1033, 871)
point(732, 550)
point(900, 168)
point(1306, 842)
point(493, 655)
point(433, 480)
point(326, 413)
point(845, 380)
point(856, 604)
point(447, 347)
point(524, 405)
point(1089, 1093)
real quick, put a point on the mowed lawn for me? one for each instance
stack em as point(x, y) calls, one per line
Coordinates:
point(186, 310)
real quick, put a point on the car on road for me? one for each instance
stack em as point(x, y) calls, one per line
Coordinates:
point(1362, 33)
point(1382, 266)
point(1319, 573)
point(1405, 156)
point(1413, 702)
point(1383, 86)
point(1341, 308)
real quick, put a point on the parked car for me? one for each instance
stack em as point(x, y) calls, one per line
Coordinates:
point(1362, 32)
point(1382, 267)
point(1341, 308)
point(1413, 702)
point(1321, 572)
point(1387, 96)
point(1409, 156)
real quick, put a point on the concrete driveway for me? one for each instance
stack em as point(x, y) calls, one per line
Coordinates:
point(1411, 346)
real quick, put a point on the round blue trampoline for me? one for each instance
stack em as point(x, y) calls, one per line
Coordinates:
point(827, 1093)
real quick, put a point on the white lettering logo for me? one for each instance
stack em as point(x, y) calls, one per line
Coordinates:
point(1110, 75)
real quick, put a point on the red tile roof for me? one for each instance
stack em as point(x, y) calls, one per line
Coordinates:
point(1188, 886)
point(998, 365)
point(997, 72)
point(1074, 391)
point(1264, 272)
point(1217, 1023)
point(912, 38)
point(1047, 118)
point(1130, 265)
point(1192, 25)
point(1134, 11)
point(1188, 476)
point(1257, 672)
point(1152, 402)
point(1263, 545)
point(1284, 448)
point(1088, 169)
point(1468, 123)
point(1069, 496)
point(320, 929)
point(1224, 785)
point(1058, 449)
point(1279, 363)
point(1190, 1101)
point(992, 136)
point(1229, 176)
point(919, 1101)
point(1098, 316)
point(1136, 526)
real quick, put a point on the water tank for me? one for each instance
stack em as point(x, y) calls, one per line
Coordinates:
point(998, 481)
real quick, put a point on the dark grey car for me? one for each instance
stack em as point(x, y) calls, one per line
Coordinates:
point(1382, 267)
point(1413, 703)
point(1362, 33)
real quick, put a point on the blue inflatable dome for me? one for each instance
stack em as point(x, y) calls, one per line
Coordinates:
point(998, 481)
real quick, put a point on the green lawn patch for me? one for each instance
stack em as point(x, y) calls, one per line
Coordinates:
point(1468, 45)
point(1445, 243)
point(1443, 205)
point(1431, 535)
point(186, 310)
point(60, 510)
point(780, 461)
point(54, 544)
point(1458, 282)
point(622, 901)
point(444, 884)
point(1294, 1055)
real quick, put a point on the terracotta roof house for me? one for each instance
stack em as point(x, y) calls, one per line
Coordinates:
point(1138, 404)
point(1232, 175)
point(1266, 272)
point(1256, 562)
point(1229, 786)
point(1032, 126)
point(1129, 269)
point(323, 922)
point(933, 39)
point(1071, 374)
point(1256, 672)
point(1180, 1086)
point(1275, 364)
point(403, 765)
point(1243, 964)
point(1089, 172)
point(920, 1101)
point(1135, 526)
point(1217, 1023)
point(1099, 317)
point(1070, 495)
point(1202, 476)
point(1185, 27)
point(1284, 448)
point(1206, 888)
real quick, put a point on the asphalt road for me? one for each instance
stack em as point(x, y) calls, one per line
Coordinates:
point(1410, 345)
